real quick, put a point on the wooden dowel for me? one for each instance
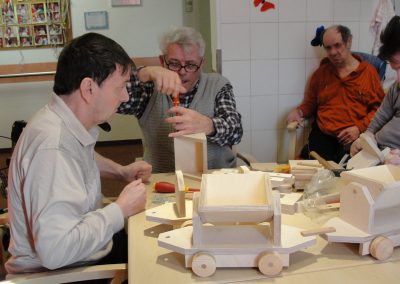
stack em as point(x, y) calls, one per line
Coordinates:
point(317, 231)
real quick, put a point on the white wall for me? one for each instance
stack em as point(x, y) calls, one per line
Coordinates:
point(136, 28)
point(268, 58)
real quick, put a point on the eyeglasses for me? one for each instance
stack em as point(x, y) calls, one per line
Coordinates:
point(176, 66)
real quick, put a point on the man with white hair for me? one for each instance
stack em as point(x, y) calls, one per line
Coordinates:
point(208, 105)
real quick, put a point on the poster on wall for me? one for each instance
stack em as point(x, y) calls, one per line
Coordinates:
point(34, 23)
point(116, 3)
point(397, 6)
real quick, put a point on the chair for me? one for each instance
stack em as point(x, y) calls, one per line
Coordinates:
point(117, 272)
point(380, 66)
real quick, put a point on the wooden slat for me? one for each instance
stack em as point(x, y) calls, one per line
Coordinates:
point(51, 66)
point(27, 68)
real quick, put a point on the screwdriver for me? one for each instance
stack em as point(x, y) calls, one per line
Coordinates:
point(167, 187)
point(175, 100)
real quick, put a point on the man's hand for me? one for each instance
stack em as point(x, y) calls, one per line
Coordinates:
point(357, 147)
point(348, 135)
point(393, 157)
point(138, 170)
point(132, 198)
point(188, 121)
point(295, 115)
point(166, 81)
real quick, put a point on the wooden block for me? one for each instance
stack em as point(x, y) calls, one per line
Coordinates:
point(295, 163)
point(309, 164)
point(281, 180)
point(191, 155)
point(244, 169)
point(289, 202)
point(370, 146)
point(284, 188)
point(330, 206)
point(236, 197)
point(276, 221)
point(305, 177)
point(363, 159)
point(180, 194)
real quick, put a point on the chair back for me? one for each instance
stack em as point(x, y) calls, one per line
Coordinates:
point(379, 64)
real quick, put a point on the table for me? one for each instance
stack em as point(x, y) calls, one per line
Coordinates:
point(323, 263)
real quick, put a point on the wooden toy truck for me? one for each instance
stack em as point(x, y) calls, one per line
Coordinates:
point(369, 211)
point(236, 223)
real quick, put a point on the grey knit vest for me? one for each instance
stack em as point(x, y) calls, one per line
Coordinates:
point(159, 148)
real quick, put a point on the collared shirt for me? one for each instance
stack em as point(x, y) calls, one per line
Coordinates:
point(227, 120)
point(342, 102)
point(54, 195)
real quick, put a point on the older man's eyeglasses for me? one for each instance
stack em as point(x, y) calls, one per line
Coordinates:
point(176, 66)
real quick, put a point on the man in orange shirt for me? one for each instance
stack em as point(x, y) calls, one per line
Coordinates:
point(342, 95)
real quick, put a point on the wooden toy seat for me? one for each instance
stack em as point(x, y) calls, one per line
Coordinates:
point(236, 198)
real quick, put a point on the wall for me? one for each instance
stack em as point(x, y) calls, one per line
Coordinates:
point(268, 58)
point(199, 18)
point(136, 28)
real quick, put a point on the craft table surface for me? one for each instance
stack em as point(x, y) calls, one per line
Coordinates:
point(323, 263)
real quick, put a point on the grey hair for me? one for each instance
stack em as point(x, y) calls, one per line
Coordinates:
point(343, 30)
point(184, 37)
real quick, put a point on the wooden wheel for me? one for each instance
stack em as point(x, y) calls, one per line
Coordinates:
point(270, 263)
point(203, 264)
point(381, 248)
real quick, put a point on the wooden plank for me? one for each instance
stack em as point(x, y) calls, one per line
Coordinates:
point(180, 194)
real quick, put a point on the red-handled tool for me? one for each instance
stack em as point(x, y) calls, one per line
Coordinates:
point(167, 187)
point(175, 100)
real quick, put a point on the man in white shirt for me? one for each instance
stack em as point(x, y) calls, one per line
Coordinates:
point(54, 197)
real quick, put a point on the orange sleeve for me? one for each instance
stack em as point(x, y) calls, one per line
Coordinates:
point(310, 101)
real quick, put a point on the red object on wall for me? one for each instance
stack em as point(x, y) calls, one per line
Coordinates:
point(265, 5)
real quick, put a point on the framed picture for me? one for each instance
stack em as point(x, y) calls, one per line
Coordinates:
point(116, 3)
point(96, 20)
point(34, 23)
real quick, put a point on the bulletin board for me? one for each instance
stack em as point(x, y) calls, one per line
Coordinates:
point(34, 23)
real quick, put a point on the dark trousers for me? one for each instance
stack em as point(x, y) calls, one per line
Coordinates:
point(327, 146)
point(118, 254)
